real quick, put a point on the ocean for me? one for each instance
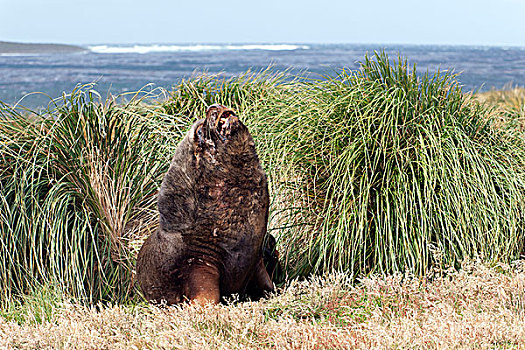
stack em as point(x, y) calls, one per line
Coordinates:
point(122, 68)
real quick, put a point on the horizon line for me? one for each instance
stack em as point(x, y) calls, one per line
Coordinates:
point(504, 45)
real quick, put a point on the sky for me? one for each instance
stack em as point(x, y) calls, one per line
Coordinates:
point(448, 22)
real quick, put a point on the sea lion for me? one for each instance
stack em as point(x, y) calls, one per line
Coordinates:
point(213, 205)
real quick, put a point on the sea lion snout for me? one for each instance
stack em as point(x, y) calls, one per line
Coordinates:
point(217, 108)
point(221, 119)
point(216, 112)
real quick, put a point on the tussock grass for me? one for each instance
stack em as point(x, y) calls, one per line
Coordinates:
point(379, 170)
point(398, 172)
point(477, 307)
point(78, 185)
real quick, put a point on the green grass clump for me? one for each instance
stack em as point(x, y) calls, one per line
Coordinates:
point(77, 186)
point(376, 170)
point(400, 171)
point(37, 306)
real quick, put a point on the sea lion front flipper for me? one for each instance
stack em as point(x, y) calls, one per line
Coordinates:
point(262, 279)
point(203, 285)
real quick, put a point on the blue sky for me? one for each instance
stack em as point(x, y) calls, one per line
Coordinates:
point(467, 22)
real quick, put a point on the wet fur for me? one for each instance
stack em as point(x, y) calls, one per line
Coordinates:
point(213, 206)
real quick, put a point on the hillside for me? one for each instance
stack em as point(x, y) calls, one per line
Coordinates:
point(26, 48)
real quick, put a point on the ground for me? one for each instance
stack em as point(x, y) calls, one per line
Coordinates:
point(478, 307)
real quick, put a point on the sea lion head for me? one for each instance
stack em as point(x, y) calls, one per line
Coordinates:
point(221, 129)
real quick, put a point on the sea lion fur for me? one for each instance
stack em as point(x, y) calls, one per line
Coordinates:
point(213, 206)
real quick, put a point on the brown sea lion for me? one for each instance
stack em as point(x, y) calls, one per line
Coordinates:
point(213, 205)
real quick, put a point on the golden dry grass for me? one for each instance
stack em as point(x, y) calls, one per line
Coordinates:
point(478, 307)
point(510, 97)
point(509, 106)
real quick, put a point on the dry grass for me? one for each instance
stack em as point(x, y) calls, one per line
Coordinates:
point(509, 106)
point(510, 97)
point(478, 307)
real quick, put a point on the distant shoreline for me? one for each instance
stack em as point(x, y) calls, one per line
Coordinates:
point(27, 48)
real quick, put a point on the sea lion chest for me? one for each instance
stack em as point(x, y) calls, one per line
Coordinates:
point(231, 213)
